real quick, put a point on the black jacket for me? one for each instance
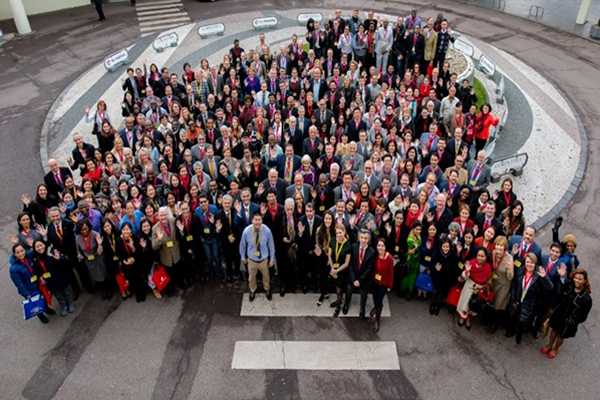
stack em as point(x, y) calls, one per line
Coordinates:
point(524, 307)
point(363, 272)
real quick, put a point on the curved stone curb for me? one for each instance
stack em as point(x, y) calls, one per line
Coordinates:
point(567, 196)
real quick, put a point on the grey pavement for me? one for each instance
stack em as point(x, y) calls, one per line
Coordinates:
point(182, 347)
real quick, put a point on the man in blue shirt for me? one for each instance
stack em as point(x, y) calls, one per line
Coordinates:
point(257, 252)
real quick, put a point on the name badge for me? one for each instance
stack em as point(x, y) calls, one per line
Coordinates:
point(46, 275)
point(207, 230)
point(427, 258)
point(189, 238)
point(257, 253)
point(517, 263)
point(33, 278)
point(336, 266)
point(494, 276)
point(115, 258)
point(461, 265)
point(256, 184)
point(322, 208)
point(169, 243)
point(91, 257)
point(396, 249)
point(378, 277)
point(231, 238)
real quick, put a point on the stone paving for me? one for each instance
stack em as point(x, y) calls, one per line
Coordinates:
point(182, 348)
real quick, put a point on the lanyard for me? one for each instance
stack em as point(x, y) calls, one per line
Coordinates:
point(526, 283)
point(338, 249)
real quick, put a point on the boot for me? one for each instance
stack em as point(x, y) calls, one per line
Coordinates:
point(377, 320)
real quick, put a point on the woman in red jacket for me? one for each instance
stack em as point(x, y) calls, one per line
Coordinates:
point(383, 277)
point(477, 274)
point(483, 121)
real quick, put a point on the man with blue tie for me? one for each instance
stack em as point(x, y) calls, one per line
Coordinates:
point(257, 253)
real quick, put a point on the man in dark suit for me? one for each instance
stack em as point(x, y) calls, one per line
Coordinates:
point(229, 234)
point(298, 187)
point(274, 218)
point(346, 190)
point(55, 178)
point(189, 98)
point(245, 209)
point(128, 135)
point(178, 88)
point(333, 96)
point(521, 245)
point(487, 218)
point(360, 271)
point(130, 84)
point(302, 122)
point(61, 235)
point(440, 215)
point(307, 239)
point(312, 143)
point(415, 46)
point(457, 146)
point(323, 115)
point(210, 163)
point(169, 98)
point(293, 135)
point(274, 183)
point(288, 163)
point(355, 125)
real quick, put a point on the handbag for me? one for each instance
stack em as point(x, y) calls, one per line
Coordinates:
point(424, 283)
point(453, 296)
point(33, 306)
point(122, 283)
point(160, 277)
point(486, 294)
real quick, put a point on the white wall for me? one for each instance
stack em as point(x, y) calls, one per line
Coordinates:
point(40, 6)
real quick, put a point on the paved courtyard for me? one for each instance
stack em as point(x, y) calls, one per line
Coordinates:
point(202, 345)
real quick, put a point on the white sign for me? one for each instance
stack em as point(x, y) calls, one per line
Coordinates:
point(512, 165)
point(210, 30)
point(264, 23)
point(487, 66)
point(303, 18)
point(115, 60)
point(165, 40)
point(464, 47)
point(500, 91)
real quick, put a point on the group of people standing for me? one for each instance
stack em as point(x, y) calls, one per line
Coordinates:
point(349, 162)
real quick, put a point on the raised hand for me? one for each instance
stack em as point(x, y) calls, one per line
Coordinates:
point(26, 199)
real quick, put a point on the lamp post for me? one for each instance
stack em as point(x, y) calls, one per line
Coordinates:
point(20, 17)
point(584, 9)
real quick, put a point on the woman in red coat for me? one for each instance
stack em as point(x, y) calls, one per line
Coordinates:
point(383, 277)
point(483, 122)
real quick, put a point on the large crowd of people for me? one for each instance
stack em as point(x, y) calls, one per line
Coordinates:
point(349, 160)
